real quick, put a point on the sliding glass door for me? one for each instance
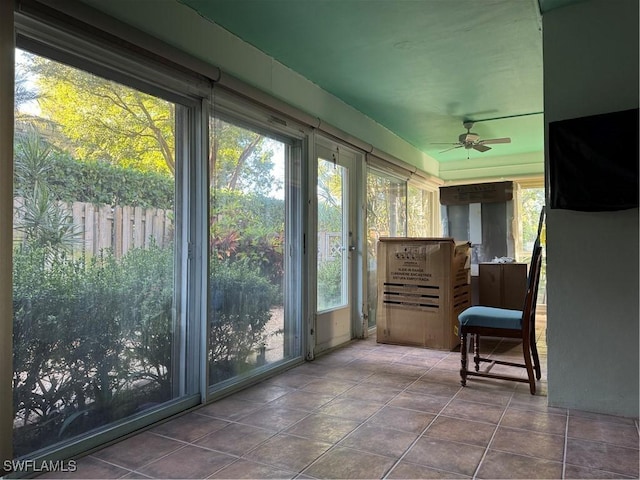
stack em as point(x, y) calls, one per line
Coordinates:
point(97, 306)
point(254, 316)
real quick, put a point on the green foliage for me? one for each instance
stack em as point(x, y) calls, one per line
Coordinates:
point(241, 159)
point(531, 202)
point(112, 185)
point(105, 121)
point(70, 180)
point(249, 228)
point(329, 283)
point(91, 342)
point(240, 302)
point(42, 220)
point(99, 182)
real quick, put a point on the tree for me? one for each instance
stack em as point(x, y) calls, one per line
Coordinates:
point(240, 159)
point(531, 202)
point(99, 119)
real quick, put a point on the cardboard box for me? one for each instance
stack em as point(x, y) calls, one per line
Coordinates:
point(477, 193)
point(502, 285)
point(423, 284)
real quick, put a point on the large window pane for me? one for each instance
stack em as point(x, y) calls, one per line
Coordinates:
point(419, 208)
point(333, 217)
point(386, 217)
point(94, 298)
point(253, 252)
point(530, 202)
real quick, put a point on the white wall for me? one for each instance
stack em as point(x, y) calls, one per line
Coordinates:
point(591, 67)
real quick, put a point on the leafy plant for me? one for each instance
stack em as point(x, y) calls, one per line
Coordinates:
point(240, 302)
point(329, 283)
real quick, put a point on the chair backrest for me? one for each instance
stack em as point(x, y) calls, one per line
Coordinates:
point(543, 214)
point(529, 309)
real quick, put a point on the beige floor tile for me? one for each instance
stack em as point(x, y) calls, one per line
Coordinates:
point(136, 451)
point(536, 421)
point(229, 408)
point(350, 408)
point(379, 440)
point(189, 427)
point(445, 455)
point(463, 431)
point(419, 401)
point(273, 418)
point(412, 471)
point(324, 428)
point(252, 470)
point(328, 386)
point(474, 411)
point(534, 444)
point(580, 473)
point(262, 393)
point(347, 463)
point(236, 439)
point(371, 393)
point(401, 419)
point(602, 456)
point(624, 435)
point(188, 462)
point(300, 400)
point(508, 465)
point(288, 452)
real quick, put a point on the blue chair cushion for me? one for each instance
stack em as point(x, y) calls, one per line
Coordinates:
point(479, 316)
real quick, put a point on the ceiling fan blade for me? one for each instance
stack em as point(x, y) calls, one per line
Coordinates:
point(457, 146)
point(443, 143)
point(496, 140)
point(481, 148)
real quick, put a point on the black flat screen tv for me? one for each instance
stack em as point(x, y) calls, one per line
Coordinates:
point(593, 162)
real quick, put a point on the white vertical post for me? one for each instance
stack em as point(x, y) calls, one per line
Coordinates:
point(7, 66)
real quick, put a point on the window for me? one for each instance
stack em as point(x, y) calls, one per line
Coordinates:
point(386, 217)
point(97, 306)
point(254, 270)
point(420, 206)
point(530, 202)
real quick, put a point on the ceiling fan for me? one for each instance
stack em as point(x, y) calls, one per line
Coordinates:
point(470, 140)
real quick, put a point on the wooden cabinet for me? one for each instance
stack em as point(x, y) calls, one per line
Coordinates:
point(502, 285)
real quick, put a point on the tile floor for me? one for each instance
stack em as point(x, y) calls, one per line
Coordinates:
point(369, 410)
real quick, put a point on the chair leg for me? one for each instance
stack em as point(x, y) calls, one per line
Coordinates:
point(463, 359)
point(476, 351)
point(526, 350)
point(536, 360)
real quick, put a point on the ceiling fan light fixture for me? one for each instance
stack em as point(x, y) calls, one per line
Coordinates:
point(471, 140)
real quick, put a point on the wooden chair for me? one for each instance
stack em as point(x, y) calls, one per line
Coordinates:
point(500, 322)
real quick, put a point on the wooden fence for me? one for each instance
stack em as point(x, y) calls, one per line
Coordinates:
point(118, 228)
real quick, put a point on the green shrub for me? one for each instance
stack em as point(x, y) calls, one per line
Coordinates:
point(71, 180)
point(240, 302)
point(92, 342)
point(329, 283)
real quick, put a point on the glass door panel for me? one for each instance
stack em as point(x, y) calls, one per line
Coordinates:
point(254, 244)
point(333, 235)
point(96, 305)
point(386, 217)
point(336, 243)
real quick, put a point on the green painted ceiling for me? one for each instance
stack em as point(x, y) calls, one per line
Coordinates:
point(417, 67)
